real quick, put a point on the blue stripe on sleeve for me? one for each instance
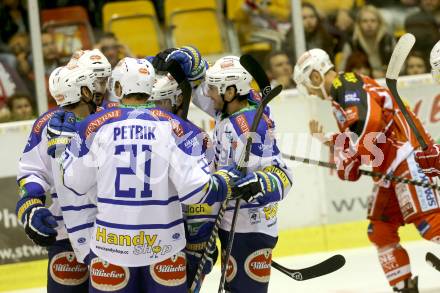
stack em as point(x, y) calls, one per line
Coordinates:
point(80, 227)
point(138, 203)
point(142, 226)
point(77, 208)
point(192, 193)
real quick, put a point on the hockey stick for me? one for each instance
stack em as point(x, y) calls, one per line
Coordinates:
point(365, 172)
point(433, 260)
point(243, 169)
point(400, 52)
point(258, 74)
point(255, 70)
point(328, 266)
point(197, 282)
point(173, 67)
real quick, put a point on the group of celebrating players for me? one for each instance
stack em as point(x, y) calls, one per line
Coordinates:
point(136, 187)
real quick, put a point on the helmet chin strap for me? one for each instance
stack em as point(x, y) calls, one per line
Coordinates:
point(321, 88)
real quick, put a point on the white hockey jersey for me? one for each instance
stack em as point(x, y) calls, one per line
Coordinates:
point(142, 173)
point(35, 176)
point(229, 141)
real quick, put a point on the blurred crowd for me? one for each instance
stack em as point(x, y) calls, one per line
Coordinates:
point(359, 35)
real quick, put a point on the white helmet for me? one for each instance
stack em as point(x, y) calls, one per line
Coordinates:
point(93, 60)
point(134, 75)
point(228, 71)
point(65, 84)
point(165, 88)
point(434, 59)
point(314, 59)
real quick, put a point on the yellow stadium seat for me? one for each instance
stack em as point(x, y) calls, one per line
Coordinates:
point(135, 24)
point(198, 23)
point(329, 6)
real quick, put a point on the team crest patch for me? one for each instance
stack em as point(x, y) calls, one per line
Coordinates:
point(352, 115)
point(96, 123)
point(177, 128)
point(170, 272)
point(108, 277)
point(242, 123)
point(231, 270)
point(257, 265)
point(41, 122)
point(66, 270)
point(405, 200)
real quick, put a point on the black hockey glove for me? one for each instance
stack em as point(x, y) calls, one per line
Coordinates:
point(159, 61)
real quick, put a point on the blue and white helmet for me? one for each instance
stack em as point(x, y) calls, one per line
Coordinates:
point(134, 76)
point(166, 88)
point(228, 71)
point(65, 84)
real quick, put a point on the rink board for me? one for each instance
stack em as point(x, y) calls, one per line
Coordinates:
point(291, 242)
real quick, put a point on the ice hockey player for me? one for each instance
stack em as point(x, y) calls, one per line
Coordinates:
point(144, 176)
point(72, 90)
point(198, 218)
point(225, 95)
point(98, 63)
point(373, 130)
point(429, 159)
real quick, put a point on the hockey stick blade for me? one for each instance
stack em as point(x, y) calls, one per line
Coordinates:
point(400, 52)
point(176, 71)
point(328, 266)
point(433, 260)
point(257, 72)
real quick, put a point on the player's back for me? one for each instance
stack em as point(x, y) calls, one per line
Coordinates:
point(142, 176)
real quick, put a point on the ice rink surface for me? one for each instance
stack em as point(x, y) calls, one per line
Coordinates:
point(361, 274)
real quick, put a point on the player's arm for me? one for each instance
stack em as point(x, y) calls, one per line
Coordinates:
point(34, 180)
point(77, 161)
point(194, 67)
point(192, 178)
point(273, 180)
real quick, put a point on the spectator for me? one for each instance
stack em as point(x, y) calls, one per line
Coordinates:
point(371, 37)
point(316, 34)
point(279, 69)
point(263, 21)
point(431, 7)
point(112, 49)
point(423, 26)
point(13, 16)
point(342, 28)
point(416, 64)
point(51, 55)
point(19, 45)
point(20, 107)
point(358, 62)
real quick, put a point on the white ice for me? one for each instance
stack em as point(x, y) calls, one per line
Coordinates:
point(361, 274)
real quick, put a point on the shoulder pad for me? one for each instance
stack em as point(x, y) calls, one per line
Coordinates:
point(93, 122)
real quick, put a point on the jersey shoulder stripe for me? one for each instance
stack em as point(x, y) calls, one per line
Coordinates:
point(37, 129)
